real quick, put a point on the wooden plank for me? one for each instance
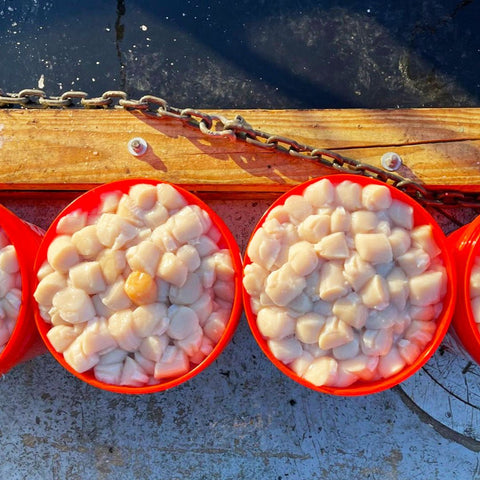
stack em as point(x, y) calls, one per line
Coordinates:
point(76, 149)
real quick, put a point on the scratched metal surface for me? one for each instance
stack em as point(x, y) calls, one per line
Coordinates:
point(448, 390)
point(241, 418)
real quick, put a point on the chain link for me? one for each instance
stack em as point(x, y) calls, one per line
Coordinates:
point(239, 129)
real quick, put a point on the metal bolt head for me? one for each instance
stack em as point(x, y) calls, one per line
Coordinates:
point(137, 146)
point(391, 161)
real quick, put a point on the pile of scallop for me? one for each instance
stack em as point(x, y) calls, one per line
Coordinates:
point(138, 290)
point(343, 285)
point(10, 289)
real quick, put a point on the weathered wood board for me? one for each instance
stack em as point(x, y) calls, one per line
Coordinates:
point(65, 150)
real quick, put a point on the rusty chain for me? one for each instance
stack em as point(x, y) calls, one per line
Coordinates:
point(238, 129)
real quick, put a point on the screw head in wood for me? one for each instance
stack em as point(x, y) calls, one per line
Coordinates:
point(391, 161)
point(137, 146)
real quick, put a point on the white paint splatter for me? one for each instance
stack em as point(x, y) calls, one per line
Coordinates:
point(143, 28)
point(41, 82)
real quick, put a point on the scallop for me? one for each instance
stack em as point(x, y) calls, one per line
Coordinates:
point(114, 297)
point(322, 371)
point(376, 197)
point(351, 310)
point(62, 254)
point(302, 258)
point(332, 282)
point(376, 342)
point(109, 373)
point(87, 276)
point(173, 363)
point(73, 305)
point(401, 214)
point(189, 255)
point(340, 220)
point(215, 326)
point(156, 216)
point(143, 195)
point(263, 249)
point(357, 271)
point(475, 281)
point(140, 288)
point(187, 224)
point(153, 347)
point(72, 222)
point(375, 293)
point(275, 323)
point(87, 243)
point(183, 321)
point(61, 336)
point(373, 248)
point(172, 269)
point(414, 262)
point(363, 366)
point(363, 221)
point(144, 257)
point(170, 197)
point(49, 286)
point(114, 231)
point(300, 364)
point(162, 236)
point(222, 289)
point(335, 333)
point(349, 195)
point(133, 374)
point(347, 350)
point(298, 208)
point(254, 277)
point(426, 289)
point(120, 326)
point(283, 285)
point(400, 241)
point(128, 210)
point(320, 193)
point(96, 337)
point(286, 350)
point(205, 245)
point(8, 259)
point(151, 319)
point(309, 326)
point(77, 359)
point(314, 228)
point(391, 363)
point(333, 246)
point(408, 350)
point(191, 344)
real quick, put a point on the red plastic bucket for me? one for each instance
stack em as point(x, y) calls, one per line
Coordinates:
point(464, 246)
point(420, 217)
point(24, 342)
point(90, 201)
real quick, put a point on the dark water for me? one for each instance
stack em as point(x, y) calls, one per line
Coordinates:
point(258, 54)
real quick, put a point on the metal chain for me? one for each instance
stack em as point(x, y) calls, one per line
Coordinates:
point(238, 129)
